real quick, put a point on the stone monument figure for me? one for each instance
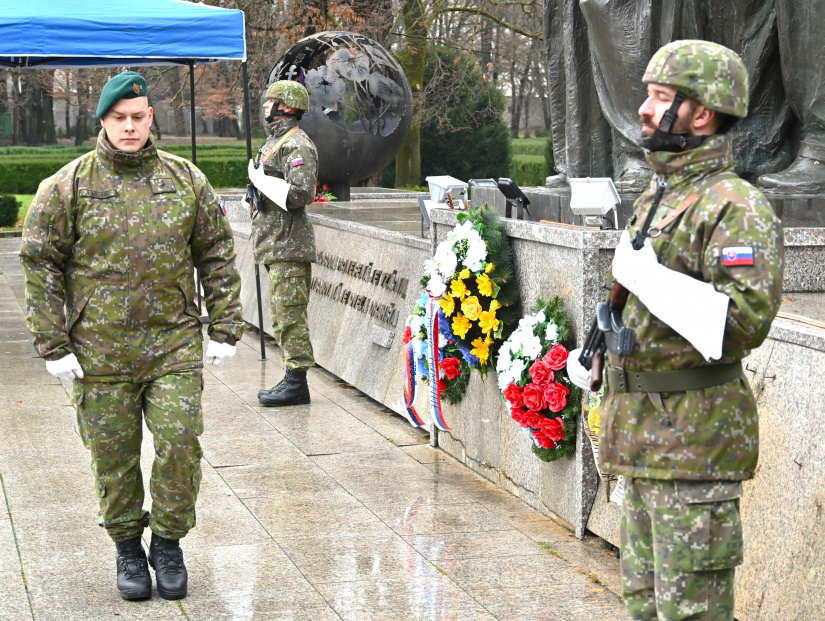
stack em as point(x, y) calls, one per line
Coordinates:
point(777, 40)
point(802, 55)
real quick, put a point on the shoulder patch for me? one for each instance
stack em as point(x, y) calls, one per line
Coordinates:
point(737, 255)
point(297, 161)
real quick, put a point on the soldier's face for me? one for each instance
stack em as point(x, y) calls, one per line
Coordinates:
point(128, 123)
point(659, 99)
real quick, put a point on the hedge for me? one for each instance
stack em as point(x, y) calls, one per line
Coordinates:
point(528, 170)
point(9, 206)
point(528, 146)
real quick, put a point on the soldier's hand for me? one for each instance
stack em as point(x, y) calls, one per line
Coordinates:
point(576, 372)
point(67, 368)
point(632, 267)
point(219, 353)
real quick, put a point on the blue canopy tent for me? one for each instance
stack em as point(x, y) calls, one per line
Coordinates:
point(93, 33)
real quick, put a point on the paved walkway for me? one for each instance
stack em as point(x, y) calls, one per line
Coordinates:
point(336, 510)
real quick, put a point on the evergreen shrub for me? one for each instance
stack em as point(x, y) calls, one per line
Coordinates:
point(9, 207)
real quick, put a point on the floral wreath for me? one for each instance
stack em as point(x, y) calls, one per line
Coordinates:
point(323, 194)
point(532, 380)
point(471, 298)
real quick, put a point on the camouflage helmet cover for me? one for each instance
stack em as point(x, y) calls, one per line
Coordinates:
point(293, 94)
point(708, 72)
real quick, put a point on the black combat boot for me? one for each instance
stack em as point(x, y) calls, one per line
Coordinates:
point(166, 558)
point(293, 392)
point(276, 388)
point(133, 579)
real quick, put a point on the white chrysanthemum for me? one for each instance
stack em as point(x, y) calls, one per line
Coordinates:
point(532, 348)
point(504, 360)
point(445, 260)
point(552, 334)
point(540, 317)
point(504, 380)
point(436, 286)
point(516, 369)
point(415, 322)
point(418, 347)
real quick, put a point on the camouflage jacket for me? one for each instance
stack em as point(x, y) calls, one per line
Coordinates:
point(109, 248)
point(710, 433)
point(280, 235)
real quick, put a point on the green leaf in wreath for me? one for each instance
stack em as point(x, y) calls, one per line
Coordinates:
point(461, 217)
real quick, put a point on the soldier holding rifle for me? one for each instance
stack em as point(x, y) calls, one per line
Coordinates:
point(700, 274)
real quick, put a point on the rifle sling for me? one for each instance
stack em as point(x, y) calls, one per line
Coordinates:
point(278, 144)
point(622, 380)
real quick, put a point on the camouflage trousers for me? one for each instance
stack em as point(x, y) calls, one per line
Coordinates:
point(288, 296)
point(110, 417)
point(680, 544)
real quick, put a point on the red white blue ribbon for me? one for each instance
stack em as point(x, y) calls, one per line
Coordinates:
point(409, 387)
point(432, 362)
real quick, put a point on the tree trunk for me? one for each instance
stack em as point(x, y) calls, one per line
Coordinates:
point(515, 101)
point(413, 59)
point(178, 103)
point(80, 129)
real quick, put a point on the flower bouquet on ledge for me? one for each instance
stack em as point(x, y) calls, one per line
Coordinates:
point(323, 194)
point(470, 301)
point(533, 381)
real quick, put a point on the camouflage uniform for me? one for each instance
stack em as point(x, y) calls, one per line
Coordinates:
point(685, 453)
point(109, 248)
point(284, 240)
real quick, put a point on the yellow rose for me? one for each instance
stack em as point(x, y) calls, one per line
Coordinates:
point(487, 322)
point(471, 308)
point(447, 304)
point(465, 273)
point(490, 267)
point(481, 350)
point(594, 419)
point(485, 285)
point(459, 290)
point(461, 325)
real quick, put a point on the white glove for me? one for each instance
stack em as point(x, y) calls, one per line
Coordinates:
point(576, 372)
point(67, 368)
point(219, 353)
point(693, 308)
point(274, 188)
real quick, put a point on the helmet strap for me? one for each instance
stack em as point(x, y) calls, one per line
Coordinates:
point(273, 112)
point(663, 139)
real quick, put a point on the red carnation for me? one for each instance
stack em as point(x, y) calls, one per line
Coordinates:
point(556, 358)
point(553, 428)
point(533, 397)
point(451, 367)
point(541, 373)
point(442, 385)
point(534, 419)
point(543, 441)
point(513, 394)
point(326, 188)
point(556, 397)
point(519, 415)
point(407, 335)
point(323, 199)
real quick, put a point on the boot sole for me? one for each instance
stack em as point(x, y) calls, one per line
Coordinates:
point(264, 403)
point(133, 594)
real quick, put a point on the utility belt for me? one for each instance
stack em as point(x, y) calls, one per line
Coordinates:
point(622, 380)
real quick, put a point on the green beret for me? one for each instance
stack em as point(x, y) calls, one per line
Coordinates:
point(127, 85)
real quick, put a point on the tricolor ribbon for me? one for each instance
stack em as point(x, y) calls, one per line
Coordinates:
point(409, 386)
point(432, 362)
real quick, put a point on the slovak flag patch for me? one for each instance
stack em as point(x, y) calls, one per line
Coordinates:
point(737, 255)
point(297, 161)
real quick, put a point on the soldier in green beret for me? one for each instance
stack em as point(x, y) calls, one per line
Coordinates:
point(679, 419)
point(286, 173)
point(109, 249)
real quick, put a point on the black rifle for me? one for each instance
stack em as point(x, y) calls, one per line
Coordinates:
point(608, 324)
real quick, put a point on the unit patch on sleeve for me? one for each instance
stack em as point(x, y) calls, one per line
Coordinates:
point(297, 161)
point(737, 255)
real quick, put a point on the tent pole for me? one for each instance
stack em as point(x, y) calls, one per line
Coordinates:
point(248, 128)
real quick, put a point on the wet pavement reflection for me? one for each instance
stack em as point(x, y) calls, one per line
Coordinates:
point(334, 510)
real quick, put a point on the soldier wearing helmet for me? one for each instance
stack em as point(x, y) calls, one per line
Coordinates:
point(283, 239)
point(679, 418)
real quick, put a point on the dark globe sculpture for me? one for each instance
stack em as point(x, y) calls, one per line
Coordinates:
point(360, 104)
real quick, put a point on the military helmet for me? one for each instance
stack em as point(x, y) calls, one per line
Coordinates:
point(292, 94)
point(708, 72)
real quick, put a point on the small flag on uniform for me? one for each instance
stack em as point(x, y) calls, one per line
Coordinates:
point(297, 161)
point(223, 208)
point(737, 255)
